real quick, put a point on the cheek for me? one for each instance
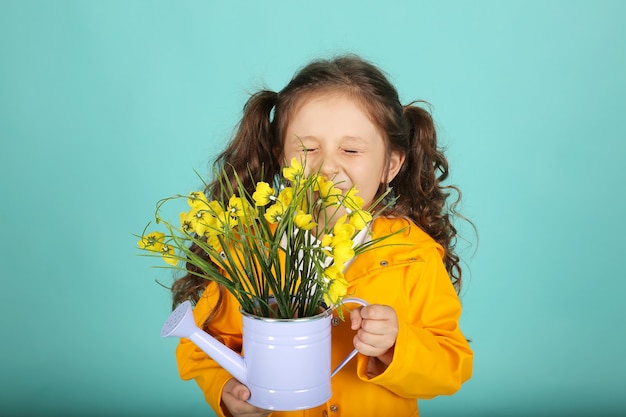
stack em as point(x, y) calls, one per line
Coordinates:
point(288, 156)
point(370, 183)
point(311, 162)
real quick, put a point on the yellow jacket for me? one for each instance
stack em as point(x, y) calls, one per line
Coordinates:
point(431, 356)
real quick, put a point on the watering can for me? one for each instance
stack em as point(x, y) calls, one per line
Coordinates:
point(286, 364)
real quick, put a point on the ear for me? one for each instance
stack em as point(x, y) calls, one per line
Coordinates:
point(396, 159)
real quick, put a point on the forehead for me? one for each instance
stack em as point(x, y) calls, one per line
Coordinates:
point(310, 97)
point(324, 110)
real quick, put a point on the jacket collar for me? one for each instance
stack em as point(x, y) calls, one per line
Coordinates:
point(406, 244)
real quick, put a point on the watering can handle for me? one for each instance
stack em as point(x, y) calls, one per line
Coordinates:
point(354, 352)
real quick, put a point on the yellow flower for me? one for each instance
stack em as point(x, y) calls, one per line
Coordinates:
point(343, 230)
point(326, 243)
point(352, 201)
point(215, 208)
point(152, 241)
point(304, 221)
point(236, 207)
point(337, 288)
point(285, 196)
point(360, 218)
point(200, 221)
point(197, 199)
point(187, 223)
point(275, 213)
point(294, 172)
point(169, 255)
point(332, 272)
point(263, 194)
point(329, 194)
point(342, 251)
point(223, 221)
point(240, 211)
point(339, 249)
point(203, 219)
point(338, 245)
point(214, 242)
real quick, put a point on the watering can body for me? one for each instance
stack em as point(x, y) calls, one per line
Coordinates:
point(286, 363)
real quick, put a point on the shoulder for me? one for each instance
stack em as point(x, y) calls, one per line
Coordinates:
point(406, 233)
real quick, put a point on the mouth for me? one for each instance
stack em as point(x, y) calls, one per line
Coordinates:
point(343, 185)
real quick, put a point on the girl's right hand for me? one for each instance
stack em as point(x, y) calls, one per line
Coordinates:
point(234, 396)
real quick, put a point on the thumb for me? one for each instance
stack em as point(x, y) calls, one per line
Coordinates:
point(241, 392)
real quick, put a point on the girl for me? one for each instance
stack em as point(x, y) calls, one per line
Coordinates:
point(346, 117)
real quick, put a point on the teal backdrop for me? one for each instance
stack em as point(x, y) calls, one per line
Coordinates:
point(108, 106)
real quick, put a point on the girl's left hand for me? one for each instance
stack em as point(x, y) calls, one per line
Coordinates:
point(377, 329)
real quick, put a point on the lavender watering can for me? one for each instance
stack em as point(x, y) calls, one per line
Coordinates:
point(286, 363)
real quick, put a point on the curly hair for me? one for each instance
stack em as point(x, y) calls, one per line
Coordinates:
point(255, 151)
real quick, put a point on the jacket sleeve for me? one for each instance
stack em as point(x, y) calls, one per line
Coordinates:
point(193, 363)
point(431, 356)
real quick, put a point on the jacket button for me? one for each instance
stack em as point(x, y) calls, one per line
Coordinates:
point(384, 263)
point(333, 408)
point(324, 413)
point(335, 321)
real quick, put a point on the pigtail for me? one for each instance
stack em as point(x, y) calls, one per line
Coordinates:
point(420, 189)
point(251, 153)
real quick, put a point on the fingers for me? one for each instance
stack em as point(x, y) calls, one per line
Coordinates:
point(234, 397)
point(356, 318)
point(375, 318)
point(377, 329)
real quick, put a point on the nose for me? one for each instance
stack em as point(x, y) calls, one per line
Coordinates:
point(329, 167)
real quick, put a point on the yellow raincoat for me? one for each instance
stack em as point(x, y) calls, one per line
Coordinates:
point(431, 356)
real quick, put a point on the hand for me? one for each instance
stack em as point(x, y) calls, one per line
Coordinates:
point(377, 329)
point(234, 396)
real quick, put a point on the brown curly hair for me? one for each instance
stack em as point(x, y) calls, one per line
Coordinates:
point(255, 151)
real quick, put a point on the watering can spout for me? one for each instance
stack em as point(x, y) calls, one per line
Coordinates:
point(181, 323)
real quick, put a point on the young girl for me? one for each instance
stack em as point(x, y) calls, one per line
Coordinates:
point(346, 117)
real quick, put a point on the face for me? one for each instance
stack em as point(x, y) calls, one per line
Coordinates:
point(339, 139)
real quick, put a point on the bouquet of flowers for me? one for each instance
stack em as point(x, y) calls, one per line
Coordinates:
point(280, 252)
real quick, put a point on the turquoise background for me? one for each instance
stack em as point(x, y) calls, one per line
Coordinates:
point(107, 106)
